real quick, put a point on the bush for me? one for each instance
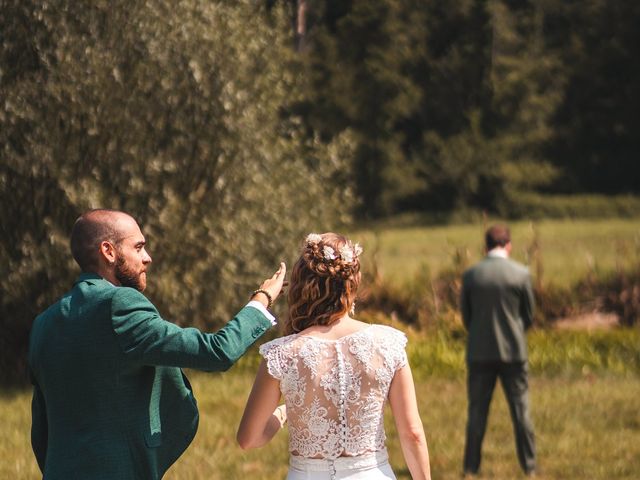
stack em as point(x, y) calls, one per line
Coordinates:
point(177, 112)
point(430, 301)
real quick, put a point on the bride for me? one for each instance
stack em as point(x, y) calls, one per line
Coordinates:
point(335, 374)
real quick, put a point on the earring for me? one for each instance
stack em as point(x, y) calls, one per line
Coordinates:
point(352, 311)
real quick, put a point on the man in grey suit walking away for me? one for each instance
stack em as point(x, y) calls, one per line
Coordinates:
point(497, 308)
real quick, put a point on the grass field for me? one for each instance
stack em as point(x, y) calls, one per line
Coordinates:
point(586, 427)
point(585, 386)
point(568, 249)
point(584, 393)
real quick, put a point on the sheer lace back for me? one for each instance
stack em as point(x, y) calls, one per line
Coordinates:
point(335, 390)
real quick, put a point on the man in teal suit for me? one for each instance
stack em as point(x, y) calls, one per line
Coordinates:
point(110, 400)
point(497, 308)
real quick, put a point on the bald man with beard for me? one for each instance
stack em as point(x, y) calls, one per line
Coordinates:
point(110, 400)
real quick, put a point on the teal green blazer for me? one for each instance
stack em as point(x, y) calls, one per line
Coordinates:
point(497, 308)
point(110, 400)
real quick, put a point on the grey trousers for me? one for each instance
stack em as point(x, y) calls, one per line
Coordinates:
point(481, 382)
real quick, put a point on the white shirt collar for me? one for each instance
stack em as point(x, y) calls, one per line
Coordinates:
point(498, 252)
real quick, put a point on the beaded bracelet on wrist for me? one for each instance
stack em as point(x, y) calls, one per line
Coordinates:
point(266, 294)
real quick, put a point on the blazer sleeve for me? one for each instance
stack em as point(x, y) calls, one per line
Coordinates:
point(147, 339)
point(39, 426)
point(527, 303)
point(465, 303)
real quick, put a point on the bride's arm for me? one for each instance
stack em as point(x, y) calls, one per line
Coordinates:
point(402, 397)
point(262, 417)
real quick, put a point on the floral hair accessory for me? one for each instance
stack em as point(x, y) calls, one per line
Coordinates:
point(347, 253)
point(313, 238)
point(328, 253)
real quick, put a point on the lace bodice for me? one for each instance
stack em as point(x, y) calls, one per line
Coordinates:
point(335, 390)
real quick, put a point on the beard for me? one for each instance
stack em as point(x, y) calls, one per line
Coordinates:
point(127, 276)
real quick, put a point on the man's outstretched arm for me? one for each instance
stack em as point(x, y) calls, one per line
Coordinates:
point(148, 339)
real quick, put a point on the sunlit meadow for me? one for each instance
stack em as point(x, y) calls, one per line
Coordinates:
point(585, 385)
point(584, 393)
point(567, 249)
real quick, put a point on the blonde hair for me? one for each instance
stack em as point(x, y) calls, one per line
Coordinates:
point(323, 285)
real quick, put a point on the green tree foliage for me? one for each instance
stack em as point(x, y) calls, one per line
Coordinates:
point(596, 127)
point(478, 102)
point(175, 111)
point(357, 60)
point(413, 80)
point(228, 129)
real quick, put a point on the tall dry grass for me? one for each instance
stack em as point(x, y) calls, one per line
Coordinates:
point(413, 273)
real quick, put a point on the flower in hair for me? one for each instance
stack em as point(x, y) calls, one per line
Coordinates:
point(328, 253)
point(313, 238)
point(347, 253)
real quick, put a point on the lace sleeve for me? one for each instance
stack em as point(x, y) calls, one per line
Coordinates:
point(274, 356)
point(394, 348)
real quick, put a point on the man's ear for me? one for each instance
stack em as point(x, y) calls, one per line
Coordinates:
point(108, 252)
point(507, 247)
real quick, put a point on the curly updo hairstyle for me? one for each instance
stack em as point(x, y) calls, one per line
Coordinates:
point(324, 282)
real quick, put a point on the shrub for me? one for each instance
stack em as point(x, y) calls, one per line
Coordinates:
point(177, 112)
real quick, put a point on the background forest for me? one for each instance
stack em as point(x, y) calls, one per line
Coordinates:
point(231, 129)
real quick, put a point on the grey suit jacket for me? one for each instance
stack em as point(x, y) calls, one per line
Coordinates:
point(497, 308)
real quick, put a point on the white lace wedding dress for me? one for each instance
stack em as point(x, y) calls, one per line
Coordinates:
point(335, 391)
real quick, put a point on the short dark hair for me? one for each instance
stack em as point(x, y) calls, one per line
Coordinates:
point(89, 231)
point(497, 236)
